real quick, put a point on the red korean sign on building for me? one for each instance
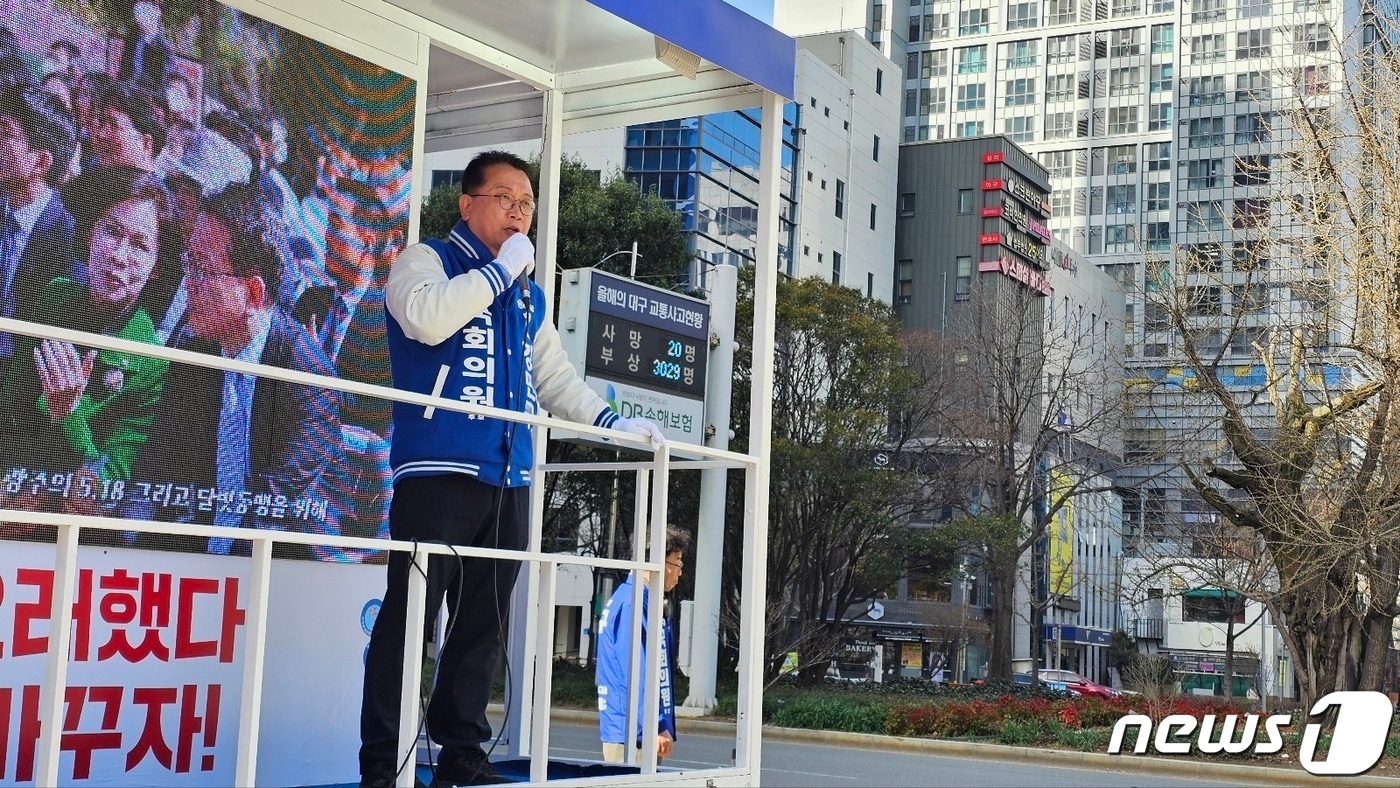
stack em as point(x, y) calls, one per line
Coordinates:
point(155, 666)
point(1020, 272)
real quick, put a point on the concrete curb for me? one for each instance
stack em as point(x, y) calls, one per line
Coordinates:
point(1204, 771)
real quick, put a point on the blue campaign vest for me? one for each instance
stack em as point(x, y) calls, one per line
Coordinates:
point(612, 664)
point(489, 361)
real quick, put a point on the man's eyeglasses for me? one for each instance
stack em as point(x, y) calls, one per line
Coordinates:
point(508, 203)
point(199, 272)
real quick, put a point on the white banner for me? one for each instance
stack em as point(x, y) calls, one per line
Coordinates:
point(156, 665)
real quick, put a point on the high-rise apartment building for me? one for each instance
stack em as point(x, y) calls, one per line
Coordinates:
point(1161, 125)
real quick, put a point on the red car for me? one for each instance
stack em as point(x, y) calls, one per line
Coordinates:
point(1077, 684)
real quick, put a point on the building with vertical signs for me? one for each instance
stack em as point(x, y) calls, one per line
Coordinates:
point(972, 228)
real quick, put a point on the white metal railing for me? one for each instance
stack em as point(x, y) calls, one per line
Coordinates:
point(656, 471)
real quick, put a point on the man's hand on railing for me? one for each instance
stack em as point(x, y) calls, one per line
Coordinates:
point(644, 427)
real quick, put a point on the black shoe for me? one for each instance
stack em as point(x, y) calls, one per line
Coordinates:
point(384, 777)
point(470, 767)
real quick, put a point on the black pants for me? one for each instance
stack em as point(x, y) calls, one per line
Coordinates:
point(458, 510)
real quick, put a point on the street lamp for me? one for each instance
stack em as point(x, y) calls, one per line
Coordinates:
point(635, 255)
point(967, 581)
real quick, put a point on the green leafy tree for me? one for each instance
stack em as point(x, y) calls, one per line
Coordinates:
point(833, 517)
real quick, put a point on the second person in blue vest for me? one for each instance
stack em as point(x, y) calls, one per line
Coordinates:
point(465, 322)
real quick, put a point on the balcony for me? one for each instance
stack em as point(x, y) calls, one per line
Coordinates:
point(1149, 629)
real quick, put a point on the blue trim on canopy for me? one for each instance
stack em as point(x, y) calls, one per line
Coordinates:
point(719, 33)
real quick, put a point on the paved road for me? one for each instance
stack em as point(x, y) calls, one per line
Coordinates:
point(808, 766)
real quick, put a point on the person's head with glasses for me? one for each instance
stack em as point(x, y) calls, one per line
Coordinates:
point(124, 231)
point(677, 545)
point(232, 265)
point(497, 199)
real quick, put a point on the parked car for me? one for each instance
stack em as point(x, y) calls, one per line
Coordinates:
point(1075, 683)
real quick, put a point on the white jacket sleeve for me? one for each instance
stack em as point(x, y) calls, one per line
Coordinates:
point(561, 391)
point(428, 306)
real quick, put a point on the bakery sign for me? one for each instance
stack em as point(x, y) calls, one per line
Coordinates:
point(1019, 271)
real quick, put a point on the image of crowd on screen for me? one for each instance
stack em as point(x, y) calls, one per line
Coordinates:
point(119, 160)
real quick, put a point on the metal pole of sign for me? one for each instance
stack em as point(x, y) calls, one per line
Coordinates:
point(633, 273)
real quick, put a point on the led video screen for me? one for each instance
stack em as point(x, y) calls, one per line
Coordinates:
point(184, 174)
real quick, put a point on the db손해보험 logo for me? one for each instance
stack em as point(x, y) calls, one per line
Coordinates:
point(1358, 740)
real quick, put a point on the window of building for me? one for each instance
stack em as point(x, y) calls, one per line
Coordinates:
point(836, 268)
point(904, 288)
point(1122, 8)
point(1253, 86)
point(1161, 81)
point(1163, 38)
point(1122, 120)
point(1250, 298)
point(1250, 213)
point(1059, 87)
point(1253, 43)
point(1061, 49)
point(1206, 258)
point(1021, 16)
point(915, 32)
point(1125, 81)
point(1204, 174)
point(965, 201)
point(963, 284)
point(972, 96)
point(1125, 42)
point(1207, 10)
point(1205, 132)
point(1059, 202)
point(1208, 49)
point(1249, 9)
point(869, 285)
point(1020, 92)
point(1207, 90)
point(1254, 127)
point(879, 81)
point(1204, 217)
point(1019, 129)
point(1122, 199)
point(968, 128)
point(1118, 239)
point(1059, 125)
point(840, 199)
point(1251, 255)
point(1159, 237)
point(935, 64)
point(1159, 196)
point(1121, 159)
point(875, 149)
point(1158, 156)
point(974, 21)
point(1058, 163)
point(445, 178)
point(1244, 340)
point(1210, 606)
point(1159, 116)
point(1022, 54)
point(1311, 37)
point(972, 60)
point(1252, 170)
point(906, 204)
point(1315, 80)
point(911, 106)
point(872, 215)
point(1061, 12)
point(932, 101)
point(936, 26)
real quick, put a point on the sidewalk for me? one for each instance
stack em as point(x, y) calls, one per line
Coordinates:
point(1188, 768)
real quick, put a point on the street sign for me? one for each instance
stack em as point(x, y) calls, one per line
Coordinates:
point(643, 349)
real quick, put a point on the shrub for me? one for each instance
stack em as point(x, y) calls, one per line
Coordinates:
point(1019, 732)
point(835, 714)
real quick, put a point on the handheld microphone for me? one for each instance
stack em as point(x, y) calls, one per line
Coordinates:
point(524, 282)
